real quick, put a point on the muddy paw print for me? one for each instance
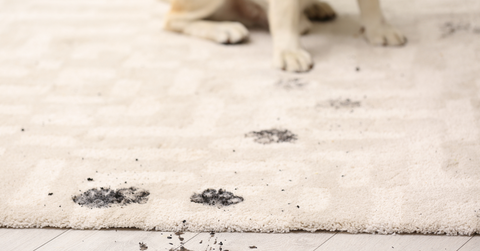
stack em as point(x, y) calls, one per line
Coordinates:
point(106, 197)
point(272, 136)
point(213, 197)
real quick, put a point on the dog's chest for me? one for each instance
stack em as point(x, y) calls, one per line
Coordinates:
point(250, 11)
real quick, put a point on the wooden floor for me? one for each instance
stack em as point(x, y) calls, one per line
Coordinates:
point(131, 240)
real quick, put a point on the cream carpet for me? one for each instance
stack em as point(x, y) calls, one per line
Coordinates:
point(107, 121)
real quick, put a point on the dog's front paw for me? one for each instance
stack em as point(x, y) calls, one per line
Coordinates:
point(230, 33)
point(384, 34)
point(293, 60)
point(220, 32)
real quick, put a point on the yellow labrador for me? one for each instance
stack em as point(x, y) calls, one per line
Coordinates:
point(225, 21)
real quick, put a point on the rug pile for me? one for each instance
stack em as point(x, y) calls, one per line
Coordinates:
point(108, 121)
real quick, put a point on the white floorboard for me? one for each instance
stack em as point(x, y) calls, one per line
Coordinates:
point(115, 240)
point(258, 241)
point(129, 239)
point(26, 239)
point(472, 245)
point(369, 242)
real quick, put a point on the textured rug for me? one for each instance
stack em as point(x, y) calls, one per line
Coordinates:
point(108, 121)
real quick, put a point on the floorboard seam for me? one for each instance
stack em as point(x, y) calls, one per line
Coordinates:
point(325, 241)
point(191, 238)
point(52, 239)
point(466, 242)
point(182, 245)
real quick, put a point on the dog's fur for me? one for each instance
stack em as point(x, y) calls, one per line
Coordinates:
point(225, 21)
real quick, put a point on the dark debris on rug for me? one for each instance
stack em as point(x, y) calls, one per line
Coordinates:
point(272, 136)
point(106, 197)
point(213, 197)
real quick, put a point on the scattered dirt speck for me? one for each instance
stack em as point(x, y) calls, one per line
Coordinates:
point(179, 234)
point(143, 246)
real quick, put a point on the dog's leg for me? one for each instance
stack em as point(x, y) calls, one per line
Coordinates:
point(186, 16)
point(284, 20)
point(376, 28)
